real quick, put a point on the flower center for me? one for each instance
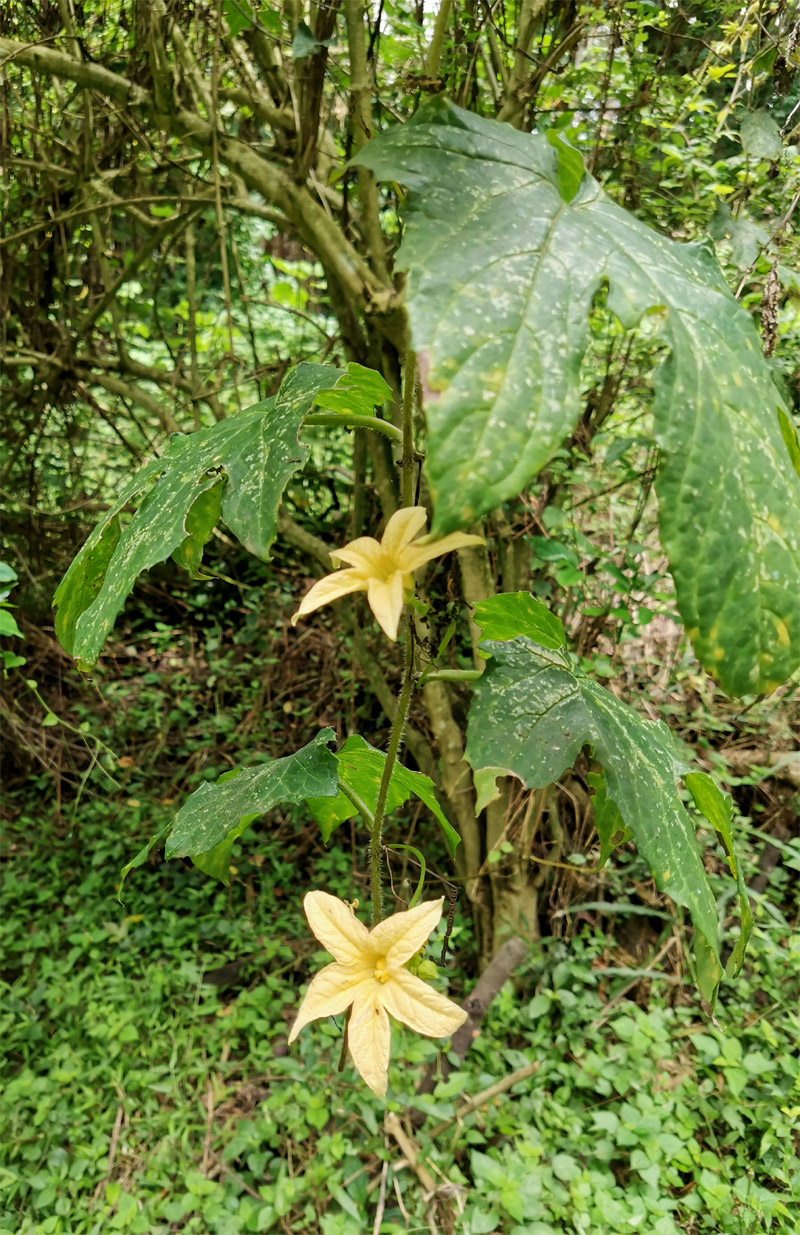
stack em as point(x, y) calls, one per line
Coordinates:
point(385, 566)
point(381, 971)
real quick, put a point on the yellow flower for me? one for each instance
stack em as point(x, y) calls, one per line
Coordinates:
point(369, 972)
point(383, 569)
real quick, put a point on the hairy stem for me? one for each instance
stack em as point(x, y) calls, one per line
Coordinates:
point(392, 751)
point(409, 386)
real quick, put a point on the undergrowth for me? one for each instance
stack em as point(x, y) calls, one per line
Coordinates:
point(149, 1087)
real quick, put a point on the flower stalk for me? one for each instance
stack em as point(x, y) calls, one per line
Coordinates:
point(392, 751)
point(404, 698)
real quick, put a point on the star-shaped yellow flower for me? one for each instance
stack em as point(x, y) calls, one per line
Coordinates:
point(369, 972)
point(383, 569)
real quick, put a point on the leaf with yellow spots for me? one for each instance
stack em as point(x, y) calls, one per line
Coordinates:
point(533, 712)
point(236, 470)
point(503, 265)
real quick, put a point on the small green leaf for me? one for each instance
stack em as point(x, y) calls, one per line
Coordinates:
point(357, 392)
point(361, 768)
point(789, 435)
point(215, 815)
point(8, 624)
point(519, 613)
point(238, 14)
point(609, 822)
point(141, 857)
point(420, 858)
point(305, 43)
point(199, 523)
point(717, 807)
point(761, 137)
point(49, 719)
point(570, 165)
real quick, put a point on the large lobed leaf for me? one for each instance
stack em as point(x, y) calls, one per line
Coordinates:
point(237, 470)
point(532, 712)
point(503, 270)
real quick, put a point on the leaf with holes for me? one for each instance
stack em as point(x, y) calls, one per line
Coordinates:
point(503, 271)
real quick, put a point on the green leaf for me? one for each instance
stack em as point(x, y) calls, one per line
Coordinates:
point(717, 807)
point(360, 769)
point(199, 523)
point(761, 137)
point(238, 14)
point(7, 573)
point(531, 715)
point(789, 435)
point(607, 819)
point(746, 237)
point(503, 273)
point(420, 858)
point(215, 815)
point(519, 613)
point(305, 43)
point(141, 857)
point(570, 165)
point(245, 460)
point(357, 392)
point(8, 624)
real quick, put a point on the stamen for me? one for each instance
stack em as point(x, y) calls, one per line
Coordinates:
point(381, 972)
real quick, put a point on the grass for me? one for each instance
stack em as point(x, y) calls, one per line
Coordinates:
point(149, 1087)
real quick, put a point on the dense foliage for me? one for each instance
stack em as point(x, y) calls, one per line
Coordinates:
point(262, 293)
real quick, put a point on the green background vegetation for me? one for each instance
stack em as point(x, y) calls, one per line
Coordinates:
point(148, 1085)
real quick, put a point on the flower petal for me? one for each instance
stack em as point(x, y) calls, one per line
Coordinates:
point(419, 1006)
point(369, 1039)
point(401, 529)
point(365, 554)
point(386, 602)
point(338, 929)
point(401, 935)
point(330, 992)
point(417, 555)
point(331, 587)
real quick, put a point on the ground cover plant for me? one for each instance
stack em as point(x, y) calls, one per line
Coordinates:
point(497, 338)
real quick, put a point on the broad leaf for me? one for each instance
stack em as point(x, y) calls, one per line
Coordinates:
point(360, 769)
point(239, 469)
point(502, 276)
point(761, 137)
point(532, 713)
point(215, 815)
